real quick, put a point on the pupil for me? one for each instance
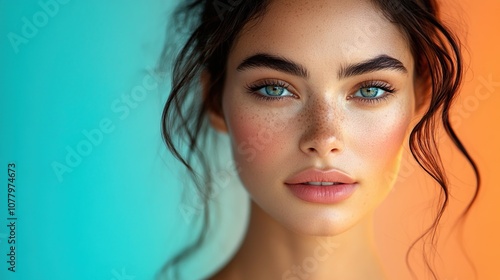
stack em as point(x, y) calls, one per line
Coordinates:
point(369, 92)
point(274, 90)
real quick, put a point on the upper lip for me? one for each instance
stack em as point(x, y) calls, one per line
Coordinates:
point(316, 175)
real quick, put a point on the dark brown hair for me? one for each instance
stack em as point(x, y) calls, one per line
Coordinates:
point(213, 26)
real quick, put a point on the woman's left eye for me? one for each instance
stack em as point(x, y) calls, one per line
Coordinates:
point(373, 91)
point(273, 90)
point(370, 92)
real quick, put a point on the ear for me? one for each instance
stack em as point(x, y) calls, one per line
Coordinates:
point(422, 88)
point(216, 118)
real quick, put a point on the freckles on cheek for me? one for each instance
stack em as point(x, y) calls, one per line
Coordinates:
point(381, 138)
point(256, 138)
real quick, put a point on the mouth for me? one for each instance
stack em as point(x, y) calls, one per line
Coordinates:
point(321, 183)
point(323, 187)
point(316, 177)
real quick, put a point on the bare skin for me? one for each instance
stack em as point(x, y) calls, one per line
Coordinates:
point(323, 120)
point(271, 251)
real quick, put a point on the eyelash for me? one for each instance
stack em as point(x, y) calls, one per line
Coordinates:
point(389, 90)
point(252, 89)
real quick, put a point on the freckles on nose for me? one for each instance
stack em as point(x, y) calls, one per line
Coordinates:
point(320, 128)
point(321, 118)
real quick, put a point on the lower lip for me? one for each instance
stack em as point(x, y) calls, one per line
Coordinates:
point(323, 194)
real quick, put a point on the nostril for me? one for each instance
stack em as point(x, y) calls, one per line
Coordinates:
point(320, 145)
point(321, 152)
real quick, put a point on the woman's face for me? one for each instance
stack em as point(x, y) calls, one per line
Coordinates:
point(318, 85)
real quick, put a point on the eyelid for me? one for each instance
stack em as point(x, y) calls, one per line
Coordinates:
point(377, 84)
point(383, 85)
point(257, 85)
point(268, 82)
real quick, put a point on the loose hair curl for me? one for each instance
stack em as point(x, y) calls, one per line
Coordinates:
point(212, 31)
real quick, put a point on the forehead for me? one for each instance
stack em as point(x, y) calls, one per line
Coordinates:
point(334, 32)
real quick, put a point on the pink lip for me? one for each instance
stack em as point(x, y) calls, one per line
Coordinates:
point(343, 189)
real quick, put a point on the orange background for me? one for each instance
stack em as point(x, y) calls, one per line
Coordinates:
point(476, 116)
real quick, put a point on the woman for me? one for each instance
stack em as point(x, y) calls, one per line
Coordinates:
point(318, 99)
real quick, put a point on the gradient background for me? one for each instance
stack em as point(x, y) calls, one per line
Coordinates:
point(116, 214)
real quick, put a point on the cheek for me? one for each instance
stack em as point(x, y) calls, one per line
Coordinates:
point(382, 137)
point(379, 140)
point(258, 137)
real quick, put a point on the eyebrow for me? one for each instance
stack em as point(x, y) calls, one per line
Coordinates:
point(381, 62)
point(274, 62)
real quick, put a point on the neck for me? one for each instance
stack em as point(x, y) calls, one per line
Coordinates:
point(270, 251)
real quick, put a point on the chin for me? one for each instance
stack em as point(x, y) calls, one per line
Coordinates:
point(319, 220)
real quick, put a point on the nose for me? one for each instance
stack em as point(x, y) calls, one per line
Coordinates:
point(321, 136)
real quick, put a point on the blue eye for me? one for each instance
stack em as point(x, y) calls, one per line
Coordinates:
point(270, 90)
point(273, 90)
point(373, 91)
point(370, 92)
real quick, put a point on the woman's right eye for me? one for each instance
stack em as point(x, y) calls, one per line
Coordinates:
point(273, 91)
point(270, 90)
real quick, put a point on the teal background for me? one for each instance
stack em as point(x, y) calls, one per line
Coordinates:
point(114, 214)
